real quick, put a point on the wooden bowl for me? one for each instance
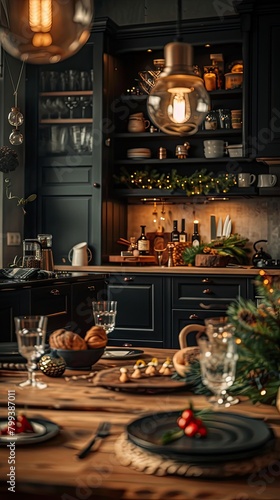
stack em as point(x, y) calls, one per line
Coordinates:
point(182, 359)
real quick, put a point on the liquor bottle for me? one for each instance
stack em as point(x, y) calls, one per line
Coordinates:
point(196, 235)
point(143, 244)
point(183, 234)
point(175, 233)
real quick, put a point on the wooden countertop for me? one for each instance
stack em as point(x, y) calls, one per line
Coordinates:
point(187, 270)
point(51, 469)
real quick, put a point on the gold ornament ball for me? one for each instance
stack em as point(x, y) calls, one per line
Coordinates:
point(52, 365)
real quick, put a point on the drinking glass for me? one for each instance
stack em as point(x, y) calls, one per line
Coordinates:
point(31, 334)
point(104, 313)
point(218, 359)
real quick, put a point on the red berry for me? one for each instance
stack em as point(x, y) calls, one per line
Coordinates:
point(202, 431)
point(188, 415)
point(199, 422)
point(191, 429)
point(181, 422)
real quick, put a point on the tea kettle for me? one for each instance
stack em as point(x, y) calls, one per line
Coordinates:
point(80, 254)
point(260, 256)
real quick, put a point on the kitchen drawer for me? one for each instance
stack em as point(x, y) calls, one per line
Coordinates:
point(12, 303)
point(189, 317)
point(206, 291)
point(55, 302)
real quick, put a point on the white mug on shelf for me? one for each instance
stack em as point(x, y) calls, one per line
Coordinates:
point(246, 180)
point(267, 180)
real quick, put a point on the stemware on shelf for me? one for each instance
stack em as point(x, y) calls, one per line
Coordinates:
point(218, 357)
point(31, 335)
point(104, 313)
point(71, 102)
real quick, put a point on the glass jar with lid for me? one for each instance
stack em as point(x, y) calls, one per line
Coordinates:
point(211, 121)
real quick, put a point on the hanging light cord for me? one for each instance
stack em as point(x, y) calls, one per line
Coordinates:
point(15, 88)
point(179, 20)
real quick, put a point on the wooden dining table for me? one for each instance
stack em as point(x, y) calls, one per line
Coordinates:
point(51, 469)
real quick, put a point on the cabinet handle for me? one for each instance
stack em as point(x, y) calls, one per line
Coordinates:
point(126, 344)
point(207, 291)
point(55, 291)
point(206, 280)
point(91, 288)
point(213, 306)
point(129, 278)
point(193, 316)
point(96, 185)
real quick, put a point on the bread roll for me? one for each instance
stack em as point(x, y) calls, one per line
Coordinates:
point(96, 338)
point(64, 339)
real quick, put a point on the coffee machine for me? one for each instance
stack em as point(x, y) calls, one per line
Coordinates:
point(45, 241)
point(32, 254)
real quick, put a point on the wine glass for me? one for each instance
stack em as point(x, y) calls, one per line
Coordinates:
point(104, 313)
point(71, 103)
point(218, 358)
point(31, 334)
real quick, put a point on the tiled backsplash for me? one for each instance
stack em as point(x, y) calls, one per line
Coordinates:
point(254, 218)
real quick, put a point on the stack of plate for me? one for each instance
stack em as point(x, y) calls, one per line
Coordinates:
point(138, 153)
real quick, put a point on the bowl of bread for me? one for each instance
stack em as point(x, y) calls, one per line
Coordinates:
point(79, 353)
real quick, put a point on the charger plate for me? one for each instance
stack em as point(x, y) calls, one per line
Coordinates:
point(235, 446)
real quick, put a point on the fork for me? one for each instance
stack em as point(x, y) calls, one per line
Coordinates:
point(103, 431)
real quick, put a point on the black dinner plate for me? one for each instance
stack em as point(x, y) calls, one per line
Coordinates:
point(44, 430)
point(121, 353)
point(230, 437)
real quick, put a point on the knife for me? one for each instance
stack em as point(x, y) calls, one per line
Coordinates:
point(219, 228)
point(225, 225)
point(228, 229)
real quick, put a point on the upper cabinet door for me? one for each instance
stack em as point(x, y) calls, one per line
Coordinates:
point(265, 76)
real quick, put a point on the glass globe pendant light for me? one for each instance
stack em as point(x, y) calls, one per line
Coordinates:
point(178, 102)
point(44, 31)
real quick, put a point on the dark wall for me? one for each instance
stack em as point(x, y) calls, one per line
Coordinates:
point(126, 12)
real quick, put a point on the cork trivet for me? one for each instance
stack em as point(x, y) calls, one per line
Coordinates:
point(130, 455)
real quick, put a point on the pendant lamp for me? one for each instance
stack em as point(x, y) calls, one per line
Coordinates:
point(44, 31)
point(178, 102)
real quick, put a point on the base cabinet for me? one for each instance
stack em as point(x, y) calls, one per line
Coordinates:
point(196, 298)
point(12, 303)
point(67, 305)
point(140, 309)
point(83, 294)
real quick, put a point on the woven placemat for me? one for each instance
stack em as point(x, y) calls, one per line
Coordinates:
point(131, 455)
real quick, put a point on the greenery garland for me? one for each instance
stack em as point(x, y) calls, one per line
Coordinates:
point(200, 182)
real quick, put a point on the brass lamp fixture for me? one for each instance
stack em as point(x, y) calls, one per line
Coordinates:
point(178, 102)
point(45, 31)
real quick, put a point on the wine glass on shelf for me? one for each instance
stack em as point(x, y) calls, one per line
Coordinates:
point(84, 103)
point(71, 102)
point(218, 357)
point(104, 313)
point(31, 335)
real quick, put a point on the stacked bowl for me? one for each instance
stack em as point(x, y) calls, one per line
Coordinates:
point(138, 153)
point(214, 148)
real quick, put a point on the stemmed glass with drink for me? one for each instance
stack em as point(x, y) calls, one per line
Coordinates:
point(31, 335)
point(218, 357)
point(104, 313)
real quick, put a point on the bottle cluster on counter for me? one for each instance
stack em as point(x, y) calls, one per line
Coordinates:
point(182, 236)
